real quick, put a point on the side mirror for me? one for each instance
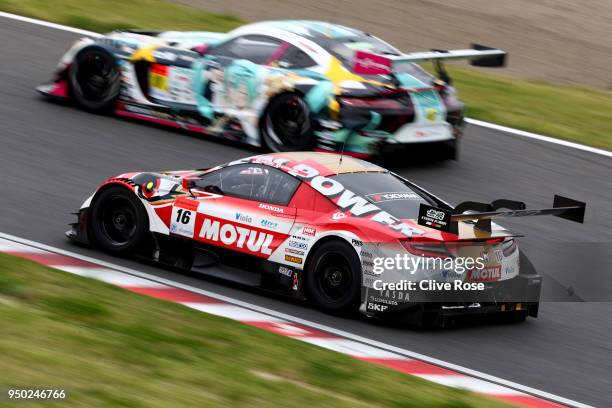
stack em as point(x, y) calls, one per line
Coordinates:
point(201, 49)
point(213, 189)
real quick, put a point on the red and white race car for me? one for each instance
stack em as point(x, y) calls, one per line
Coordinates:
point(339, 231)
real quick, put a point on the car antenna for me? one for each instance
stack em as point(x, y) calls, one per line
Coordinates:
point(341, 155)
point(191, 184)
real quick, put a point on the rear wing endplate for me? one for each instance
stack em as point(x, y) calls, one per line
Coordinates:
point(482, 214)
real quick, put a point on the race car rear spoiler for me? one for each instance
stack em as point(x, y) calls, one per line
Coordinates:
point(482, 213)
point(368, 63)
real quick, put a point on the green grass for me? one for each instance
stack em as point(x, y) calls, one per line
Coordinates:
point(111, 347)
point(575, 113)
point(107, 15)
point(579, 114)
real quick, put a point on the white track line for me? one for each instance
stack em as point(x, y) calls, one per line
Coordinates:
point(294, 319)
point(475, 122)
point(541, 138)
point(49, 25)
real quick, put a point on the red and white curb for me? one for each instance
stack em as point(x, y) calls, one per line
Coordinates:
point(364, 349)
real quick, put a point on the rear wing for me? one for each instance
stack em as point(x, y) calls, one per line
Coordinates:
point(481, 214)
point(368, 63)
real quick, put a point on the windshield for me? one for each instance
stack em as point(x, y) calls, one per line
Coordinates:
point(385, 190)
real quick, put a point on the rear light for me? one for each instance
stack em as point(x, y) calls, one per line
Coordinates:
point(427, 249)
point(509, 247)
point(448, 249)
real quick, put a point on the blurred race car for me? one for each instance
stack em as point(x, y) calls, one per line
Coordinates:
point(284, 85)
point(323, 227)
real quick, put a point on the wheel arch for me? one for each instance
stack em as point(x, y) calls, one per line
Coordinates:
point(323, 240)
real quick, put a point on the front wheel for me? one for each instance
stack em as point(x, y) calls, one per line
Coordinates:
point(286, 124)
point(333, 277)
point(119, 222)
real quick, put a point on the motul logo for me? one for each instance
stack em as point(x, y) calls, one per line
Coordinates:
point(485, 275)
point(239, 237)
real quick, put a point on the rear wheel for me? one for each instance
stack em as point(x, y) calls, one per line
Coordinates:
point(119, 222)
point(333, 277)
point(95, 79)
point(286, 124)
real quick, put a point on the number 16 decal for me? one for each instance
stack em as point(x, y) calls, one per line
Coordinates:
point(182, 222)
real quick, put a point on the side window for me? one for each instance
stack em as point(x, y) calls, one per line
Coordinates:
point(294, 58)
point(255, 48)
point(253, 182)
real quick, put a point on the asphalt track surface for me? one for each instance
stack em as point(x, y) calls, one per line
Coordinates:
point(52, 156)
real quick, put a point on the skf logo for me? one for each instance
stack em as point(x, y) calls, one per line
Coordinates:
point(235, 236)
point(294, 259)
point(376, 307)
point(309, 231)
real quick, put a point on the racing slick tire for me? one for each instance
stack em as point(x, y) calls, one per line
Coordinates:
point(95, 79)
point(333, 277)
point(286, 124)
point(118, 222)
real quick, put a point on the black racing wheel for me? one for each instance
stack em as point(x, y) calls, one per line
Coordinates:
point(95, 80)
point(286, 124)
point(119, 222)
point(333, 277)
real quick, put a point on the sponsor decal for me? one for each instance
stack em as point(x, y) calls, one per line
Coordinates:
point(356, 242)
point(269, 224)
point(294, 251)
point(294, 259)
point(438, 215)
point(299, 245)
point(499, 255)
point(434, 217)
point(382, 197)
point(283, 270)
point(376, 307)
point(309, 231)
point(236, 236)
point(300, 238)
point(164, 55)
point(294, 285)
point(273, 208)
point(369, 264)
point(367, 63)
point(489, 274)
point(182, 222)
point(338, 216)
point(243, 218)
